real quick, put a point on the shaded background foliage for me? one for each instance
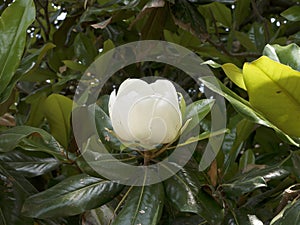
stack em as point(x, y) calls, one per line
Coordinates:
point(41, 171)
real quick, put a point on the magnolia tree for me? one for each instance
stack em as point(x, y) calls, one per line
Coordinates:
point(149, 112)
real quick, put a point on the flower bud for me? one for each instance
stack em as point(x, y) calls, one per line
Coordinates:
point(145, 115)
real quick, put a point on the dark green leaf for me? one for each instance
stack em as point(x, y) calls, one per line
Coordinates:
point(14, 22)
point(32, 62)
point(188, 18)
point(216, 12)
point(143, 206)
point(85, 50)
point(29, 165)
point(244, 186)
point(290, 215)
point(243, 130)
point(255, 178)
point(103, 126)
point(154, 26)
point(72, 196)
point(242, 11)
point(14, 188)
point(184, 191)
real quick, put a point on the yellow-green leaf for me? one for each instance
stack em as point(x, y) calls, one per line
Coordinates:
point(235, 74)
point(273, 89)
point(57, 110)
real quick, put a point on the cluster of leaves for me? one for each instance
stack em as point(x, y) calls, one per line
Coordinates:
point(43, 177)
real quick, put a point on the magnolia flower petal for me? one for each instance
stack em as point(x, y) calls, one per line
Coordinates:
point(147, 130)
point(166, 89)
point(111, 101)
point(137, 85)
point(119, 115)
point(130, 91)
point(139, 118)
point(172, 118)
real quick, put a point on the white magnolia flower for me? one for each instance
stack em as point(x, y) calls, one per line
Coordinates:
point(145, 115)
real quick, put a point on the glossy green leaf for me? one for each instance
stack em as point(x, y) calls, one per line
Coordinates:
point(196, 111)
point(272, 89)
point(257, 35)
point(29, 165)
point(14, 22)
point(57, 110)
point(253, 179)
point(184, 191)
point(143, 205)
point(243, 186)
point(43, 141)
point(292, 13)
point(14, 189)
point(72, 196)
point(103, 125)
point(288, 55)
point(235, 74)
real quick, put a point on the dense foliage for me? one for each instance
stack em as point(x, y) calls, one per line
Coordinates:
point(250, 45)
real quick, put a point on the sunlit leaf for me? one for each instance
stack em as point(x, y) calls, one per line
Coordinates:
point(272, 89)
point(235, 74)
